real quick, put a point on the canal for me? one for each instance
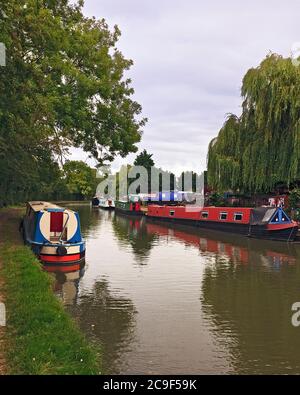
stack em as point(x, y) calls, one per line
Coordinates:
point(161, 299)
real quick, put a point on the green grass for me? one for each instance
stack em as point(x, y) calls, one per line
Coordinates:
point(41, 337)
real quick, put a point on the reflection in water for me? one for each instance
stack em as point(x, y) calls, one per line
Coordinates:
point(108, 320)
point(66, 285)
point(196, 302)
point(134, 231)
point(249, 307)
point(239, 249)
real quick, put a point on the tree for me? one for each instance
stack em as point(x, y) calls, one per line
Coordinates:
point(223, 156)
point(80, 179)
point(63, 85)
point(262, 147)
point(294, 198)
point(144, 159)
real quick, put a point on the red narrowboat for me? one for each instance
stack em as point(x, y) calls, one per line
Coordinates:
point(263, 222)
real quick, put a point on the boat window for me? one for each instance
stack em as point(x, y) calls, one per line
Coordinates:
point(204, 214)
point(172, 213)
point(238, 216)
point(285, 218)
point(276, 218)
point(280, 217)
point(223, 216)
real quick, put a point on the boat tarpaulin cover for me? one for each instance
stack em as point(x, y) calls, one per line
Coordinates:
point(262, 215)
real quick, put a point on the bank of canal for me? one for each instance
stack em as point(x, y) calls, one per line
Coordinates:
point(40, 337)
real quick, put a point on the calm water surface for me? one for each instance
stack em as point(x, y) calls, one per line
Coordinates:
point(163, 299)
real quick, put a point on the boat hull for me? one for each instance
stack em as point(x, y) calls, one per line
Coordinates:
point(257, 231)
point(262, 232)
point(128, 208)
point(129, 212)
point(65, 260)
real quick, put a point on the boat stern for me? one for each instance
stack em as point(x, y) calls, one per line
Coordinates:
point(62, 254)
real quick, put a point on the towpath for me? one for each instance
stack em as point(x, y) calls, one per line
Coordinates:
point(9, 224)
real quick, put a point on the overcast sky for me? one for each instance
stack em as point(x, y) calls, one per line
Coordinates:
point(189, 59)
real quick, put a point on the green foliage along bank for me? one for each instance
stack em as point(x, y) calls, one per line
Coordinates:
point(63, 86)
point(261, 148)
point(79, 179)
point(41, 337)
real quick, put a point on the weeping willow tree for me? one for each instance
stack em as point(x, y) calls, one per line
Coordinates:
point(262, 147)
point(223, 156)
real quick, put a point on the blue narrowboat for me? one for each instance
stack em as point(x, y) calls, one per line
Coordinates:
point(53, 233)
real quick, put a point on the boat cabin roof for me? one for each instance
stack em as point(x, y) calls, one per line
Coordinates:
point(262, 215)
point(44, 206)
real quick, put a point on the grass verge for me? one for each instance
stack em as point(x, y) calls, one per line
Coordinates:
point(41, 337)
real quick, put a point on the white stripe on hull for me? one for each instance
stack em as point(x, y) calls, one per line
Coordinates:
point(52, 250)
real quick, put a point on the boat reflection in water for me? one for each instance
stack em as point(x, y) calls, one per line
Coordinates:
point(242, 250)
point(134, 231)
point(66, 283)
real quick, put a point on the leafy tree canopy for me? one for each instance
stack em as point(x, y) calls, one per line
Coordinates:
point(80, 179)
point(63, 85)
point(144, 159)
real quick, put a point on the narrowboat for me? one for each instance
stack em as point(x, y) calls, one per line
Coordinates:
point(53, 233)
point(264, 222)
point(107, 204)
point(130, 206)
point(95, 202)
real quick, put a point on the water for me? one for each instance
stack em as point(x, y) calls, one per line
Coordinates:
point(161, 299)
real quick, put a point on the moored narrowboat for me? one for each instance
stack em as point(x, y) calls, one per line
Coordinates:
point(95, 202)
point(53, 233)
point(107, 204)
point(264, 222)
point(130, 206)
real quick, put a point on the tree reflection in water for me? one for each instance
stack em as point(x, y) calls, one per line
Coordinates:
point(249, 306)
point(109, 320)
